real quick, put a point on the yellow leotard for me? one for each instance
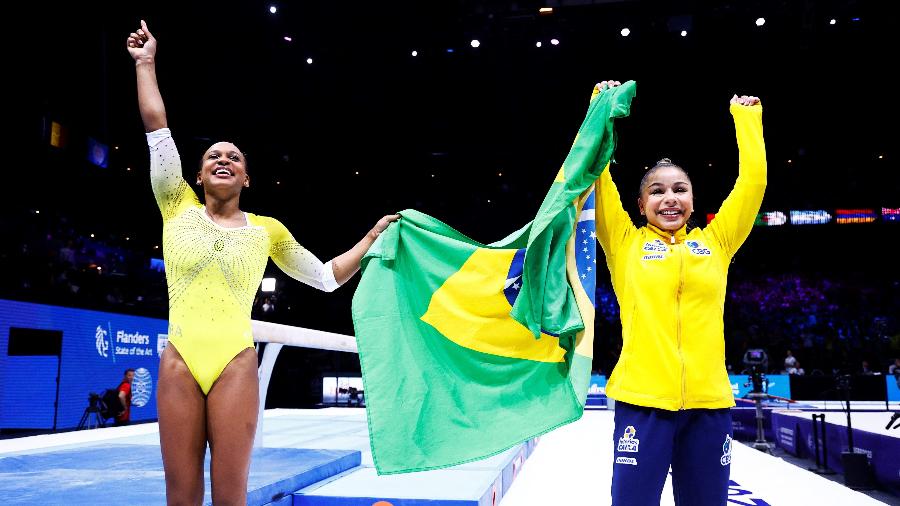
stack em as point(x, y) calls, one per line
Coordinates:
point(213, 272)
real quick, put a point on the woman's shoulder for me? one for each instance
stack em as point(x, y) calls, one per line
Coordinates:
point(273, 226)
point(260, 220)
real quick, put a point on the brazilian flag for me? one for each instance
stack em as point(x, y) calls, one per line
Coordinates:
point(468, 349)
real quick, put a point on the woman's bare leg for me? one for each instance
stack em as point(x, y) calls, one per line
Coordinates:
point(231, 409)
point(181, 407)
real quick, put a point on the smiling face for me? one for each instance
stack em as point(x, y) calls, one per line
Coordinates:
point(667, 197)
point(223, 170)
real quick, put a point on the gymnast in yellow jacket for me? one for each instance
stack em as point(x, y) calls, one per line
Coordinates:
point(670, 383)
point(215, 255)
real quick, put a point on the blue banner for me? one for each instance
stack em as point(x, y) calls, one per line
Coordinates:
point(598, 385)
point(95, 351)
point(596, 397)
point(779, 384)
point(795, 435)
point(893, 388)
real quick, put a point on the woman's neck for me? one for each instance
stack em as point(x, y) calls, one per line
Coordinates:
point(225, 212)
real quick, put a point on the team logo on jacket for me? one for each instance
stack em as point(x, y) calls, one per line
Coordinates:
point(628, 443)
point(655, 250)
point(656, 245)
point(697, 248)
point(726, 451)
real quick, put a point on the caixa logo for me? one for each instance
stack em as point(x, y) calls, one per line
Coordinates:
point(740, 495)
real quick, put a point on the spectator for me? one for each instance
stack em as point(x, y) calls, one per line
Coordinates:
point(790, 363)
point(124, 418)
point(865, 369)
point(894, 370)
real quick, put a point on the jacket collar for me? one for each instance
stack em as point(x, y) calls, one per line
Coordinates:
point(669, 237)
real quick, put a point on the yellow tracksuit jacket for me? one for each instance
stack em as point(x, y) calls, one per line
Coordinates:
point(671, 287)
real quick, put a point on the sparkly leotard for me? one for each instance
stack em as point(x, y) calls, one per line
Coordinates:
point(213, 272)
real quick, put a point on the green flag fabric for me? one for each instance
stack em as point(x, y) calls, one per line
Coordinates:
point(468, 349)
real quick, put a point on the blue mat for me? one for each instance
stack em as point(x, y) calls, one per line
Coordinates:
point(133, 474)
point(479, 483)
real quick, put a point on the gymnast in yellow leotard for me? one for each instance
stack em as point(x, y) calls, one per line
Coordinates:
point(215, 255)
point(213, 271)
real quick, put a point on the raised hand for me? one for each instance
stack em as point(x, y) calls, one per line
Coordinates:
point(384, 222)
point(747, 100)
point(606, 85)
point(141, 44)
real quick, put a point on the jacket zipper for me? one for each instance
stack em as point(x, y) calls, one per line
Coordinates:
point(678, 317)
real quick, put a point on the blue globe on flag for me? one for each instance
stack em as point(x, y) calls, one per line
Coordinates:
point(141, 387)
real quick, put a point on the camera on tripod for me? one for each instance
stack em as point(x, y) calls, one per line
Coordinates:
point(94, 401)
point(758, 362)
point(99, 409)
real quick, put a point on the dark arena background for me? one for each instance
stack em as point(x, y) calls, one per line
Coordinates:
point(464, 110)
